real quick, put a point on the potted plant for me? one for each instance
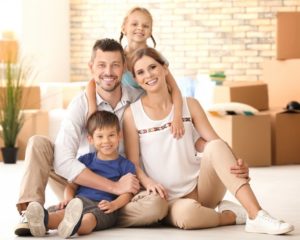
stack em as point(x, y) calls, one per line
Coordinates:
point(11, 119)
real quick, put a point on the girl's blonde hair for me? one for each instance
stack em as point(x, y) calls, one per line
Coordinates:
point(132, 10)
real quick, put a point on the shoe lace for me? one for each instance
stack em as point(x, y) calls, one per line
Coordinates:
point(268, 218)
point(23, 217)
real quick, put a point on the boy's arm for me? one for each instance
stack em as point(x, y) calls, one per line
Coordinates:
point(177, 127)
point(70, 191)
point(91, 97)
point(69, 194)
point(119, 202)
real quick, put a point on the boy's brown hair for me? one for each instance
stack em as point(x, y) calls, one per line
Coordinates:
point(102, 119)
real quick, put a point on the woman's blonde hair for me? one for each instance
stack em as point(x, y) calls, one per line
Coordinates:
point(132, 10)
point(150, 52)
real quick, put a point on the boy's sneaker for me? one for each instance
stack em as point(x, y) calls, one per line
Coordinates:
point(238, 210)
point(37, 218)
point(264, 223)
point(22, 229)
point(72, 219)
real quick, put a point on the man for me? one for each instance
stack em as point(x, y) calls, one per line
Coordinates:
point(107, 65)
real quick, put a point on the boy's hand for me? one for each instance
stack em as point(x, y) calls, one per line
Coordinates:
point(62, 204)
point(107, 207)
point(177, 127)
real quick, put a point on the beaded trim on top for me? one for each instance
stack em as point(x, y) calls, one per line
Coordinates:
point(155, 129)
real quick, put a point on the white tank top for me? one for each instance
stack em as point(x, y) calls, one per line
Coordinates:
point(168, 161)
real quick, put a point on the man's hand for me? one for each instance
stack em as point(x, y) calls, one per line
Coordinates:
point(127, 184)
point(241, 169)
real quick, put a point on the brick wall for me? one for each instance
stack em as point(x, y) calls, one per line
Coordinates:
point(196, 36)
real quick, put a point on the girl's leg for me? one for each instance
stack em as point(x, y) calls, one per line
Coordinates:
point(88, 224)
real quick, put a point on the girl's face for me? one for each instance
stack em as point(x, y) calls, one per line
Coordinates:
point(138, 27)
point(150, 74)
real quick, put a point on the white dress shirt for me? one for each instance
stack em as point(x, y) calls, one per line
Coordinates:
point(71, 141)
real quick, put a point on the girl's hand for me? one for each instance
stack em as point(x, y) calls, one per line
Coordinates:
point(241, 169)
point(107, 207)
point(177, 127)
point(157, 188)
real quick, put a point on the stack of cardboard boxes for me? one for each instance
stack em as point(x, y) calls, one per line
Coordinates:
point(283, 78)
point(249, 136)
point(273, 135)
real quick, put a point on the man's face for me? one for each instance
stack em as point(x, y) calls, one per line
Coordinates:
point(107, 70)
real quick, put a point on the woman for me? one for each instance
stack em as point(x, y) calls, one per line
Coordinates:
point(171, 168)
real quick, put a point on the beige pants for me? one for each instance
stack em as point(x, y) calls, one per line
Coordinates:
point(196, 210)
point(143, 210)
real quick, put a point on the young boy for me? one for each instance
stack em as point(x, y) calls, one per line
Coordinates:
point(91, 209)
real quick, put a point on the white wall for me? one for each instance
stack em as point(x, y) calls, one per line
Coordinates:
point(45, 37)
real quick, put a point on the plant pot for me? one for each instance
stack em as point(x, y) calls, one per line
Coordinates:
point(9, 154)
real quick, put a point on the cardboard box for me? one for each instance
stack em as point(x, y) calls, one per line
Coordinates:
point(35, 123)
point(31, 98)
point(8, 51)
point(288, 35)
point(283, 79)
point(287, 138)
point(254, 94)
point(249, 136)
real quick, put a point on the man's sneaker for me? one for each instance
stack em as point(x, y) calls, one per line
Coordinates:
point(264, 223)
point(37, 218)
point(22, 229)
point(238, 210)
point(72, 219)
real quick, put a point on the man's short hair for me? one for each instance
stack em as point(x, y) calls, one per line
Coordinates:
point(102, 119)
point(108, 45)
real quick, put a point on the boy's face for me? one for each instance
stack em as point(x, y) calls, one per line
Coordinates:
point(106, 142)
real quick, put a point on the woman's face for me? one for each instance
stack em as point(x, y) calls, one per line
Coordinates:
point(149, 73)
point(138, 27)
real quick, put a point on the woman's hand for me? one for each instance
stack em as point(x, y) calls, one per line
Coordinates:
point(107, 207)
point(157, 188)
point(177, 127)
point(241, 169)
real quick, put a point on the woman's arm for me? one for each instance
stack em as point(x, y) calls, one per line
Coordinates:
point(200, 120)
point(91, 97)
point(177, 127)
point(132, 151)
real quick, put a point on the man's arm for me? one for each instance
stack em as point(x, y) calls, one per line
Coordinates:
point(126, 184)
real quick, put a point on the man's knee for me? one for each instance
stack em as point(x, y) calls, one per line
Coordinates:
point(157, 208)
point(38, 141)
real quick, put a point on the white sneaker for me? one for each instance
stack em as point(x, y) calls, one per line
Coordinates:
point(37, 219)
point(72, 219)
point(22, 228)
point(264, 223)
point(238, 210)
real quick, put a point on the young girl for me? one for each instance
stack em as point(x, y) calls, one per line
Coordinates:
point(137, 28)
